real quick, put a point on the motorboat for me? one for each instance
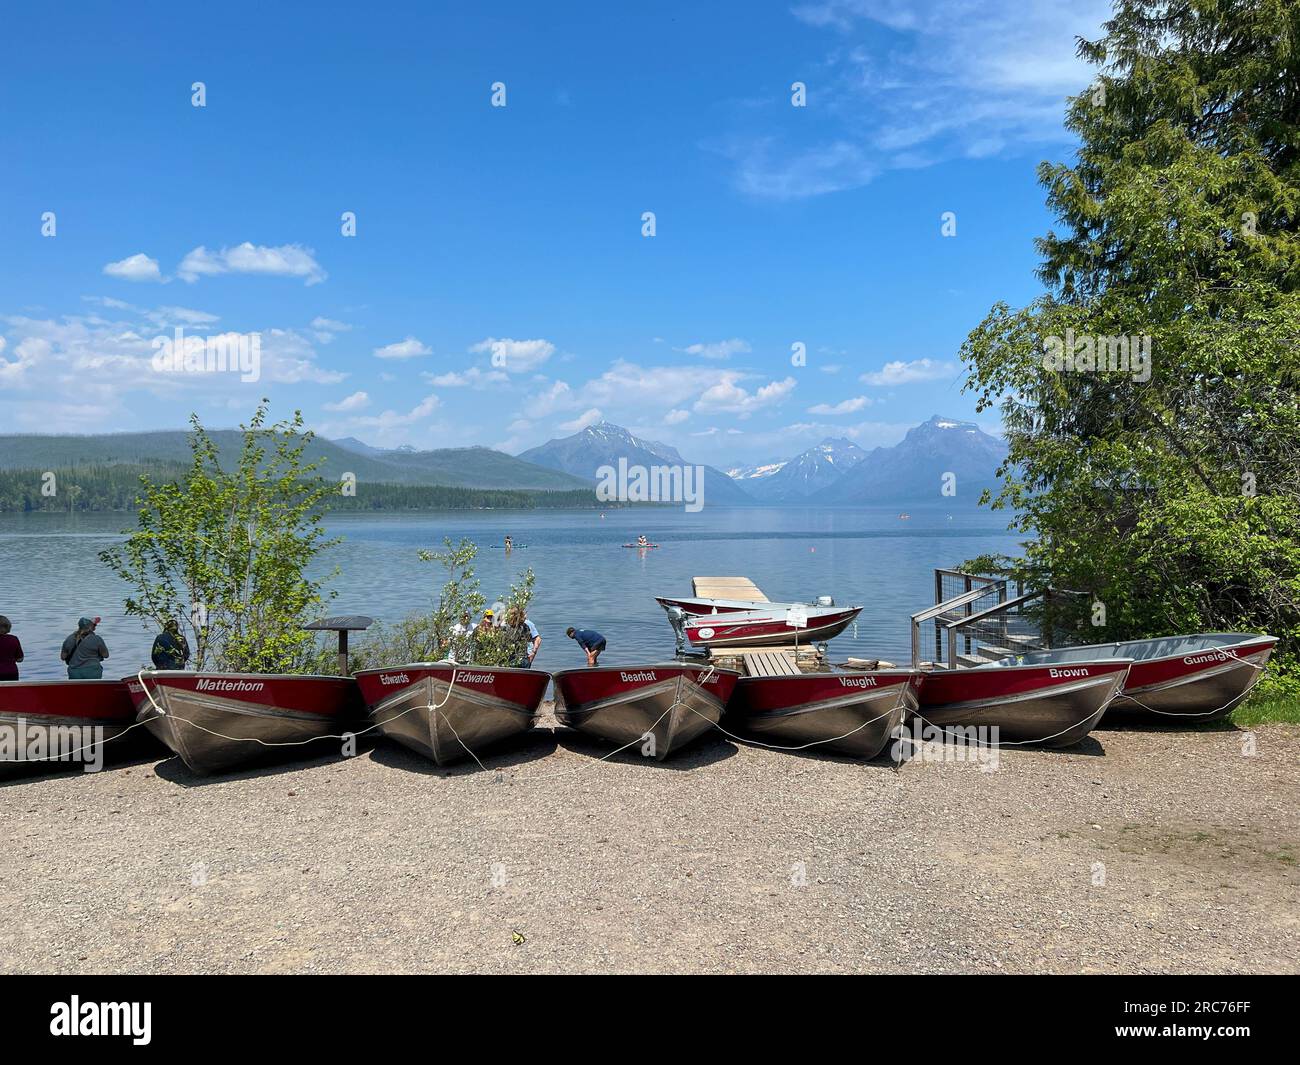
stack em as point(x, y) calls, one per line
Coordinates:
point(852, 712)
point(777, 625)
point(447, 711)
point(693, 605)
point(1049, 705)
point(656, 708)
point(222, 721)
point(1201, 677)
point(54, 723)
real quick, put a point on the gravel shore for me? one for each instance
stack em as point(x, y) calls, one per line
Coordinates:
point(1137, 851)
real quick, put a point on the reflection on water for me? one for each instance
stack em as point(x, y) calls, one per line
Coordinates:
point(585, 578)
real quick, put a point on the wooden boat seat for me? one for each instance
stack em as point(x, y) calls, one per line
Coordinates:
point(771, 664)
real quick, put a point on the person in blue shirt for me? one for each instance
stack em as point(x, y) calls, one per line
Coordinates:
point(589, 640)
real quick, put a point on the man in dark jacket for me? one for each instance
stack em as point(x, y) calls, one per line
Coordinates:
point(170, 649)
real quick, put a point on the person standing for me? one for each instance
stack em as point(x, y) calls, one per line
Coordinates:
point(462, 640)
point(590, 641)
point(525, 632)
point(170, 648)
point(85, 651)
point(11, 651)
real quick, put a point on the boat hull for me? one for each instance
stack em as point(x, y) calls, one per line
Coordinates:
point(448, 712)
point(1043, 705)
point(852, 713)
point(1202, 677)
point(53, 724)
point(767, 628)
point(217, 722)
point(660, 708)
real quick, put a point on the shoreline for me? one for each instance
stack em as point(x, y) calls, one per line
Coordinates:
point(725, 858)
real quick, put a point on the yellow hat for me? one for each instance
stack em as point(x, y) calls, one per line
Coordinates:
point(487, 613)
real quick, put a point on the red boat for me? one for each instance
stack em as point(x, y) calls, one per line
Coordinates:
point(691, 605)
point(1054, 706)
point(221, 721)
point(447, 712)
point(1201, 677)
point(659, 708)
point(853, 712)
point(51, 723)
point(769, 627)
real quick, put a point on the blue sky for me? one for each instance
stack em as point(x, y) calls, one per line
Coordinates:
point(518, 229)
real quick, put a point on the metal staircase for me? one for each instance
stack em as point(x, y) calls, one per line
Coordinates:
point(978, 619)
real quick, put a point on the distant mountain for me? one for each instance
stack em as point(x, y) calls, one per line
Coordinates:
point(469, 467)
point(807, 473)
point(913, 470)
point(747, 475)
point(604, 443)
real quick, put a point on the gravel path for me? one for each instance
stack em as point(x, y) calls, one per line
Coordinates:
point(723, 859)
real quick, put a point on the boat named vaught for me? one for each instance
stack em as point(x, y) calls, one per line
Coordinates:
point(448, 712)
point(853, 712)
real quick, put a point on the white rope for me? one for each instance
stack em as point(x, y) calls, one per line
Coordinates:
point(294, 743)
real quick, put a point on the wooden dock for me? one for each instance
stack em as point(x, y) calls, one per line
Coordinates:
point(727, 588)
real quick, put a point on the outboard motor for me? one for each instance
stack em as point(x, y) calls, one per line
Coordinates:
point(677, 619)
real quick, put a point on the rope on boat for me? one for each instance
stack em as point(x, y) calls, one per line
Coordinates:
point(351, 734)
point(66, 756)
point(703, 679)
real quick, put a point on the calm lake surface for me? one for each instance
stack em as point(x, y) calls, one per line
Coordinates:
point(862, 555)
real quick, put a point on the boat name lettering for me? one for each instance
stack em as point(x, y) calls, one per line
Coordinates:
point(1208, 656)
point(632, 678)
point(394, 678)
point(475, 678)
point(1069, 673)
point(857, 682)
point(206, 684)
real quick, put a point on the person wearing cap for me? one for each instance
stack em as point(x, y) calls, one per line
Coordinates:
point(170, 648)
point(85, 651)
point(590, 641)
point(11, 651)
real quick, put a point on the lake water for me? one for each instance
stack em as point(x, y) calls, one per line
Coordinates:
point(861, 555)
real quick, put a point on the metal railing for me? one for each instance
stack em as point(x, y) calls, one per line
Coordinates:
point(982, 624)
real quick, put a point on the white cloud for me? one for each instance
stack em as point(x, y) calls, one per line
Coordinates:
point(515, 355)
point(180, 315)
point(912, 84)
point(676, 417)
point(106, 365)
point(722, 349)
point(906, 373)
point(558, 396)
point(356, 401)
point(287, 260)
point(325, 329)
point(137, 267)
point(586, 418)
point(847, 406)
point(409, 348)
point(730, 397)
point(471, 378)
point(391, 419)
